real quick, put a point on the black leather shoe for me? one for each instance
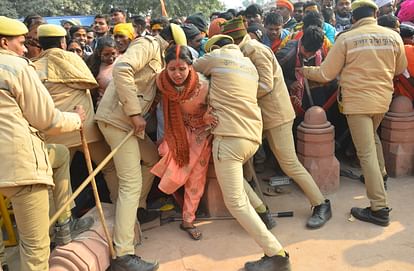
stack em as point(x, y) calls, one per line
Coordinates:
point(274, 263)
point(132, 263)
point(321, 214)
point(267, 219)
point(145, 216)
point(384, 178)
point(5, 267)
point(380, 217)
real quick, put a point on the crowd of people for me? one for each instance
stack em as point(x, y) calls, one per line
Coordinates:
point(192, 90)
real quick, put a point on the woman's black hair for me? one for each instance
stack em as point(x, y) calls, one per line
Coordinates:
point(94, 61)
point(185, 54)
point(75, 29)
point(73, 41)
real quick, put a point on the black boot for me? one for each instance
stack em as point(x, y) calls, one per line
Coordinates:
point(132, 263)
point(66, 232)
point(384, 178)
point(380, 217)
point(321, 214)
point(274, 263)
point(145, 216)
point(267, 219)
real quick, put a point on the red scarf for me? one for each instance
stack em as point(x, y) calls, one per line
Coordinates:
point(174, 128)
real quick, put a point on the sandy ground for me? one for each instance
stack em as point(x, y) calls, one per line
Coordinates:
point(340, 245)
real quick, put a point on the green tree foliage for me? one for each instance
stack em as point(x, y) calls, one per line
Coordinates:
point(174, 7)
point(8, 9)
point(247, 3)
point(22, 8)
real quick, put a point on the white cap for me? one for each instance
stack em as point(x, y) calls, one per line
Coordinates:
point(381, 3)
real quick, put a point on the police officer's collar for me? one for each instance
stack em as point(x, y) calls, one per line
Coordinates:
point(245, 40)
point(11, 53)
point(364, 21)
point(8, 52)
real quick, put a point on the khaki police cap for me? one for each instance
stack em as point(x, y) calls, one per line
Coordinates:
point(363, 3)
point(214, 40)
point(12, 27)
point(50, 30)
point(178, 35)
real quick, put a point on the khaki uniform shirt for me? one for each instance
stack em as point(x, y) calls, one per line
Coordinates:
point(367, 57)
point(273, 96)
point(233, 92)
point(68, 80)
point(26, 108)
point(133, 87)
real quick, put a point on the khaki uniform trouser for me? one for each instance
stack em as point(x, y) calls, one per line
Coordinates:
point(59, 158)
point(31, 211)
point(254, 199)
point(229, 154)
point(98, 151)
point(367, 143)
point(131, 181)
point(281, 142)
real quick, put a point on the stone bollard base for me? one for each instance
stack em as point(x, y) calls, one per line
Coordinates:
point(90, 250)
point(316, 149)
point(324, 170)
point(397, 137)
point(212, 199)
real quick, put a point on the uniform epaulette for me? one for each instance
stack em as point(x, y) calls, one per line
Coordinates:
point(150, 38)
point(28, 60)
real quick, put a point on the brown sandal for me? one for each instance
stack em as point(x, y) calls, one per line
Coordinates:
point(194, 233)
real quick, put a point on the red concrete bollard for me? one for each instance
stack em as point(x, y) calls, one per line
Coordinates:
point(89, 251)
point(212, 199)
point(397, 136)
point(316, 149)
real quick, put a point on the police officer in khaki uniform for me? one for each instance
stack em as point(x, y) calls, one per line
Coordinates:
point(233, 91)
point(278, 115)
point(68, 81)
point(27, 108)
point(123, 107)
point(366, 58)
point(67, 227)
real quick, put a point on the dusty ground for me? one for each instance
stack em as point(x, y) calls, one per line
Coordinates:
point(339, 245)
